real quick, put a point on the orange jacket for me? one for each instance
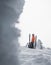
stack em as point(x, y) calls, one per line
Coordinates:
point(33, 39)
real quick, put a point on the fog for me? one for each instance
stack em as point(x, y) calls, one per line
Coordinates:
point(36, 18)
point(10, 11)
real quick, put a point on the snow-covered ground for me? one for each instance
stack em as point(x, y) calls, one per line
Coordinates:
point(35, 56)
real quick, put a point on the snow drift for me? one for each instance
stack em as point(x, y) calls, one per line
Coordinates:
point(35, 56)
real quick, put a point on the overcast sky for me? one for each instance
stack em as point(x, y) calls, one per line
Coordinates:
point(36, 18)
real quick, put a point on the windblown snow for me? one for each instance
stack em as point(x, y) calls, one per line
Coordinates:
point(10, 11)
point(35, 56)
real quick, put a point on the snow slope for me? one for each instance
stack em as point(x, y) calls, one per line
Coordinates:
point(35, 56)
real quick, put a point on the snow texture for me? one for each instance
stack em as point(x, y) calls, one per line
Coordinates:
point(30, 56)
point(10, 11)
point(39, 44)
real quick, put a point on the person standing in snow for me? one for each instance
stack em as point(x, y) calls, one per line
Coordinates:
point(29, 45)
point(29, 38)
point(33, 41)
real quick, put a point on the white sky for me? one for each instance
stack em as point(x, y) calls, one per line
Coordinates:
point(36, 18)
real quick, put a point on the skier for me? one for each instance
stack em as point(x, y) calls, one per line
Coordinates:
point(33, 41)
point(29, 45)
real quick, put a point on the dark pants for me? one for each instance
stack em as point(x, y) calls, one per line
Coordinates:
point(35, 44)
point(30, 45)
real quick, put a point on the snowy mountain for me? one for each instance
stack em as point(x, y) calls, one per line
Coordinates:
point(35, 56)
